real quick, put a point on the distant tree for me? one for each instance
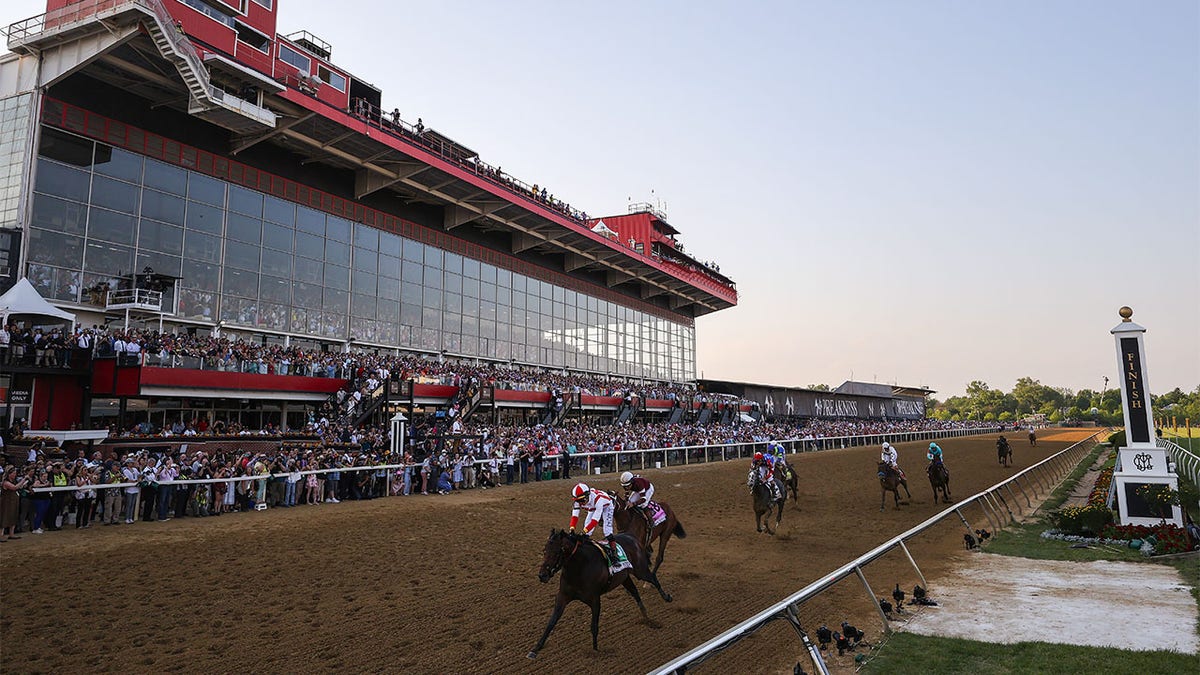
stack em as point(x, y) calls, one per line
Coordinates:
point(819, 387)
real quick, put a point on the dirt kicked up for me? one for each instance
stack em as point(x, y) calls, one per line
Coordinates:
point(449, 584)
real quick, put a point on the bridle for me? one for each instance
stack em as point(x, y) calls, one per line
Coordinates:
point(561, 557)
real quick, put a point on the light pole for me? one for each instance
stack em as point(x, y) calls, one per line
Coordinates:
point(398, 421)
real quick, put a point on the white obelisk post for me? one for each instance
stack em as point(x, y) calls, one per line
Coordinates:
point(1139, 462)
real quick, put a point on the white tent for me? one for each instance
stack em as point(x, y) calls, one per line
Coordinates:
point(23, 298)
point(603, 230)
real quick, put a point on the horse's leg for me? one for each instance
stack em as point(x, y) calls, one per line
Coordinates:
point(596, 621)
point(631, 588)
point(662, 544)
point(560, 601)
point(905, 484)
point(882, 495)
point(758, 518)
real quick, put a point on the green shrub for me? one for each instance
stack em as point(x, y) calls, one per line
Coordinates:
point(1086, 520)
point(1117, 440)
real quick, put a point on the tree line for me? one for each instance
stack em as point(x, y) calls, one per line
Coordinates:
point(1029, 398)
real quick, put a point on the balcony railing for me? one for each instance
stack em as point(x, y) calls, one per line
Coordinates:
point(135, 298)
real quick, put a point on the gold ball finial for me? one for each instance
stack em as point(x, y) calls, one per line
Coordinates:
point(1126, 313)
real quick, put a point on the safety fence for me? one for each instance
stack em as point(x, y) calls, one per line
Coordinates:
point(594, 463)
point(996, 507)
point(1187, 464)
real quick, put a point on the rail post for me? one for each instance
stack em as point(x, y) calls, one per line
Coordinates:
point(887, 628)
point(914, 563)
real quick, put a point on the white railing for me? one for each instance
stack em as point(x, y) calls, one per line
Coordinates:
point(134, 297)
point(1187, 464)
point(1046, 474)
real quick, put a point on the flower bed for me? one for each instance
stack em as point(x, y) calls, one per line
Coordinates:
point(1099, 493)
point(1161, 538)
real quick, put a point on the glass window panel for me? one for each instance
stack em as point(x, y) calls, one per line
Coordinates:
point(362, 305)
point(410, 314)
point(202, 188)
point(241, 311)
point(165, 177)
point(487, 273)
point(114, 194)
point(277, 236)
point(433, 277)
point(311, 271)
point(414, 251)
point(451, 323)
point(306, 295)
point(272, 316)
point(162, 206)
point(453, 302)
point(338, 228)
point(108, 259)
point(118, 163)
point(310, 246)
point(410, 293)
point(204, 218)
point(277, 263)
point(433, 257)
point(518, 302)
point(503, 332)
point(274, 289)
point(560, 294)
point(504, 278)
point(160, 237)
point(470, 325)
point(111, 226)
point(159, 262)
point(63, 181)
point(363, 282)
point(390, 244)
point(244, 228)
point(278, 211)
point(471, 287)
point(310, 220)
point(337, 252)
point(240, 282)
point(471, 268)
point(503, 314)
point(412, 273)
point(453, 282)
point(65, 147)
point(547, 290)
point(389, 266)
point(197, 304)
point(205, 247)
point(201, 275)
point(487, 292)
point(432, 298)
point(366, 237)
point(243, 256)
point(389, 288)
point(245, 201)
point(388, 310)
point(335, 301)
point(487, 328)
point(55, 249)
point(366, 260)
point(58, 214)
point(431, 318)
point(453, 263)
point(337, 277)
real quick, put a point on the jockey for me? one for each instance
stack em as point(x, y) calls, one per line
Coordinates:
point(935, 454)
point(599, 506)
point(638, 490)
point(766, 472)
point(890, 457)
point(1002, 443)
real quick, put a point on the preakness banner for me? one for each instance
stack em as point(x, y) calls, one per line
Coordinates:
point(808, 403)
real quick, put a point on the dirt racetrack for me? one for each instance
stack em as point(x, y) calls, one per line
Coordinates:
point(448, 584)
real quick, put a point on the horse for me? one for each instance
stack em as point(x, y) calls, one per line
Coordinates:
point(939, 479)
point(636, 522)
point(585, 576)
point(765, 502)
point(791, 481)
point(1032, 437)
point(1004, 452)
point(890, 481)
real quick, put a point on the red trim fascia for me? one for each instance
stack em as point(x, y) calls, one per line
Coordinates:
point(214, 379)
point(434, 390)
point(527, 396)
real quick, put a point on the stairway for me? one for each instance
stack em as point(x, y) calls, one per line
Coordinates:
point(705, 416)
point(676, 415)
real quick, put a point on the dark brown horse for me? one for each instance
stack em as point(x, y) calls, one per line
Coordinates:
point(791, 481)
point(585, 576)
point(1004, 451)
point(939, 480)
point(635, 521)
point(765, 502)
point(1032, 437)
point(891, 481)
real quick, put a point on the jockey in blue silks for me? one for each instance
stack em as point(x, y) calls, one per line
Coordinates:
point(935, 454)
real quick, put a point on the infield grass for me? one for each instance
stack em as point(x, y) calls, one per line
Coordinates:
point(908, 653)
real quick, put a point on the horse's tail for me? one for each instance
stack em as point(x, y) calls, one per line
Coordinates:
point(678, 530)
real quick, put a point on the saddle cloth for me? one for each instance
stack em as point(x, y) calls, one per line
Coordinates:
point(656, 513)
point(621, 562)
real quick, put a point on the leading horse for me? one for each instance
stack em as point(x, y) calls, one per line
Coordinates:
point(1004, 451)
point(891, 481)
point(765, 501)
point(630, 519)
point(939, 480)
point(585, 576)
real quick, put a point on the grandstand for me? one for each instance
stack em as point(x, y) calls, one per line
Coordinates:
point(179, 168)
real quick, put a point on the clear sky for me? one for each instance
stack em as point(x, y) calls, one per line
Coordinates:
point(922, 193)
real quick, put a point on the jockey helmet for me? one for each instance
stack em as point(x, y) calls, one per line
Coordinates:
point(932, 445)
point(580, 492)
point(758, 456)
point(886, 445)
point(626, 479)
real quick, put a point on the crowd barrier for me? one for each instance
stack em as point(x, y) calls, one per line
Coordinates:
point(996, 508)
point(1187, 464)
point(595, 463)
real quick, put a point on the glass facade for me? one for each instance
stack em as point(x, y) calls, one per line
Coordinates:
point(15, 127)
point(256, 261)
